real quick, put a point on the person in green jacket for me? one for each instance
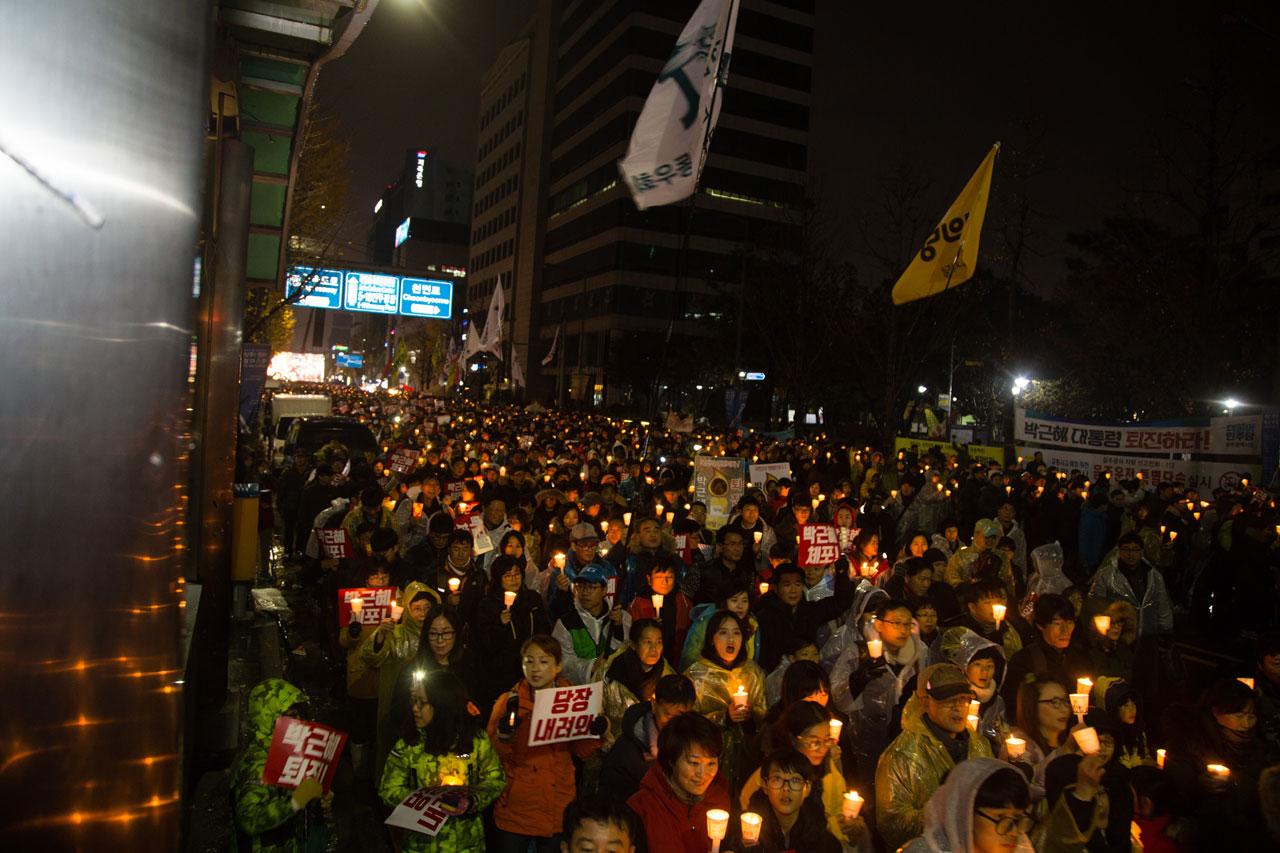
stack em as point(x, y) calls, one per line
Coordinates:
point(270, 818)
point(444, 743)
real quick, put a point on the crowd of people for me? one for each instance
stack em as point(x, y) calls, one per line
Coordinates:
point(989, 664)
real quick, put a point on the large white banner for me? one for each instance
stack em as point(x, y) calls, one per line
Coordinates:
point(1202, 476)
point(1232, 436)
point(665, 152)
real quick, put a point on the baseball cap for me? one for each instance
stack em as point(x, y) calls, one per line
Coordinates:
point(591, 499)
point(987, 527)
point(943, 681)
point(583, 532)
point(594, 573)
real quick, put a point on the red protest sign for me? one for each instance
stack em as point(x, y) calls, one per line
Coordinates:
point(404, 461)
point(683, 549)
point(564, 713)
point(302, 750)
point(819, 545)
point(453, 490)
point(421, 811)
point(375, 605)
point(334, 542)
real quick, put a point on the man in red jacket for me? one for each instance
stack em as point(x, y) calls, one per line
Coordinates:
point(681, 786)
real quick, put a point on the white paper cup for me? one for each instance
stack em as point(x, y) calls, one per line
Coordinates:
point(1087, 739)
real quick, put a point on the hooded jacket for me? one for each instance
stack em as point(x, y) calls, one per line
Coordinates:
point(619, 696)
point(948, 817)
point(265, 812)
point(631, 754)
point(697, 634)
point(389, 658)
point(1155, 612)
point(672, 826)
point(960, 646)
point(909, 773)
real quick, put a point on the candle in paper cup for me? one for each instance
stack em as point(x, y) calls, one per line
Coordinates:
point(1102, 623)
point(559, 561)
point(852, 805)
point(1247, 682)
point(626, 519)
point(974, 707)
point(893, 493)
point(758, 535)
point(417, 510)
point(657, 509)
point(396, 610)
point(972, 720)
point(750, 828)
point(740, 697)
point(671, 516)
point(875, 648)
point(657, 601)
point(604, 525)
point(509, 598)
point(998, 610)
point(1160, 758)
point(764, 587)
point(1016, 746)
point(1222, 771)
point(1080, 704)
point(450, 780)
point(1087, 738)
point(717, 826)
point(836, 726)
point(815, 503)
point(357, 604)
point(1084, 685)
point(454, 584)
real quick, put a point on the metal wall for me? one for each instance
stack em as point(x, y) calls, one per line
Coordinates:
point(102, 105)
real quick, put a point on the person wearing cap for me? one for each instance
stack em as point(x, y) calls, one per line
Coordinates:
point(584, 544)
point(984, 663)
point(592, 630)
point(986, 534)
point(935, 737)
point(371, 510)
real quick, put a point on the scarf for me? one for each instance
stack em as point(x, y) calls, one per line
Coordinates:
point(629, 671)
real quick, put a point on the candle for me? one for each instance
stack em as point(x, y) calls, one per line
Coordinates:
point(559, 560)
point(1087, 738)
point(1084, 685)
point(657, 601)
point(1016, 746)
point(509, 598)
point(758, 535)
point(1160, 758)
point(740, 697)
point(972, 720)
point(1080, 704)
point(604, 525)
point(357, 604)
point(657, 509)
point(450, 779)
point(626, 519)
point(1219, 770)
point(974, 708)
point(1102, 623)
point(875, 648)
point(998, 611)
point(893, 493)
point(1173, 534)
point(815, 503)
point(1247, 682)
point(417, 510)
point(454, 584)
point(671, 516)
point(750, 828)
point(836, 726)
point(717, 826)
point(852, 805)
point(396, 610)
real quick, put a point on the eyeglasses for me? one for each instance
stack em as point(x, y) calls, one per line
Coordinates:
point(795, 783)
point(817, 742)
point(903, 625)
point(440, 635)
point(419, 703)
point(1009, 825)
point(1057, 702)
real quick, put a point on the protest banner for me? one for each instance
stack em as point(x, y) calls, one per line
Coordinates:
point(302, 750)
point(404, 461)
point(421, 811)
point(473, 522)
point(335, 544)
point(977, 452)
point(1194, 474)
point(819, 545)
point(683, 549)
point(526, 441)
point(719, 482)
point(1223, 436)
point(453, 490)
point(443, 419)
point(564, 713)
point(375, 605)
point(762, 473)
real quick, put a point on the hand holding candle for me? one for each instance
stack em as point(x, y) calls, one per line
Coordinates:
point(454, 584)
point(757, 536)
point(509, 598)
point(1102, 623)
point(357, 604)
point(750, 828)
point(875, 648)
point(657, 602)
point(559, 560)
point(852, 805)
point(1015, 746)
point(717, 827)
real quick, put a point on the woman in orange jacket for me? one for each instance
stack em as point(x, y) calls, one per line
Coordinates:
point(540, 779)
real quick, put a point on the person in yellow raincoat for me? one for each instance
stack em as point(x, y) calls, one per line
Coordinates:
point(730, 693)
point(387, 650)
point(935, 737)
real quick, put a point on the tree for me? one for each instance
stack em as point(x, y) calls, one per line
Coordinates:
point(268, 318)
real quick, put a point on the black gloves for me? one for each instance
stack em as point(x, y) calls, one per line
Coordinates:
point(354, 629)
point(510, 718)
point(599, 725)
point(871, 669)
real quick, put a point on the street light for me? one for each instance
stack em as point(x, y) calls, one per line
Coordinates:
point(922, 389)
point(1017, 389)
point(1022, 382)
point(1231, 403)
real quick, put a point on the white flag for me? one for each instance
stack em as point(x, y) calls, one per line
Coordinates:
point(492, 339)
point(665, 152)
point(552, 353)
point(517, 375)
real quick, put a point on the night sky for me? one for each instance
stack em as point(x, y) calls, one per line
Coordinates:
point(1080, 90)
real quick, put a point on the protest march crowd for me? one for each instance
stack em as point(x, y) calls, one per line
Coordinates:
point(552, 641)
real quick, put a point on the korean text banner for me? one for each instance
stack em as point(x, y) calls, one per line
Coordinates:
point(564, 713)
point(1225, 436)
point(819, 545)
point(375, 605)
point(1200, 475)
point(763, 472)
point(719, 482)
point(302, 750)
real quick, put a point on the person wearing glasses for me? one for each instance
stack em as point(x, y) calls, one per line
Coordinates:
point(981, 808)
point(1044, 724)
point(790, 819)
point(935, 738)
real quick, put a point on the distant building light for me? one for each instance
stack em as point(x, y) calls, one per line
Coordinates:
point(402, 232)
point(377, 207)
point(420, 169)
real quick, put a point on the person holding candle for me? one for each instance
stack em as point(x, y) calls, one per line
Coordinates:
point(733, 596)
point(1117, 703)
point(362, 680)
point(501, 628)
point(681, 786)
point(730, 691)
point(1110, 651)
point(591, 631)
point(659, 599)
point(866, 560)
point(784, 612)
point(631, 675)
point(980, 597)
point(935, 738)
point(983, 807)
point(443, 743)
point(791, 818)
point(459, 566)
point(636, 747)
point(1044, 718)
point(1077, 807)
point(540, 779)
point(984, 664)
point(1051, 651)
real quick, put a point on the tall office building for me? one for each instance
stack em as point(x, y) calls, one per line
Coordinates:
point(594, 268)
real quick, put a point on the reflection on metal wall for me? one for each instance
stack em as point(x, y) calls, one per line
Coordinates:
point(103, 104)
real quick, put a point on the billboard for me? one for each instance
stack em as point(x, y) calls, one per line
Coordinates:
point(402, 231)
point(325, 287)
point(350, 359)
point(422, 297)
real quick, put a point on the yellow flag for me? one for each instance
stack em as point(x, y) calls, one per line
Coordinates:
point(950, 253)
